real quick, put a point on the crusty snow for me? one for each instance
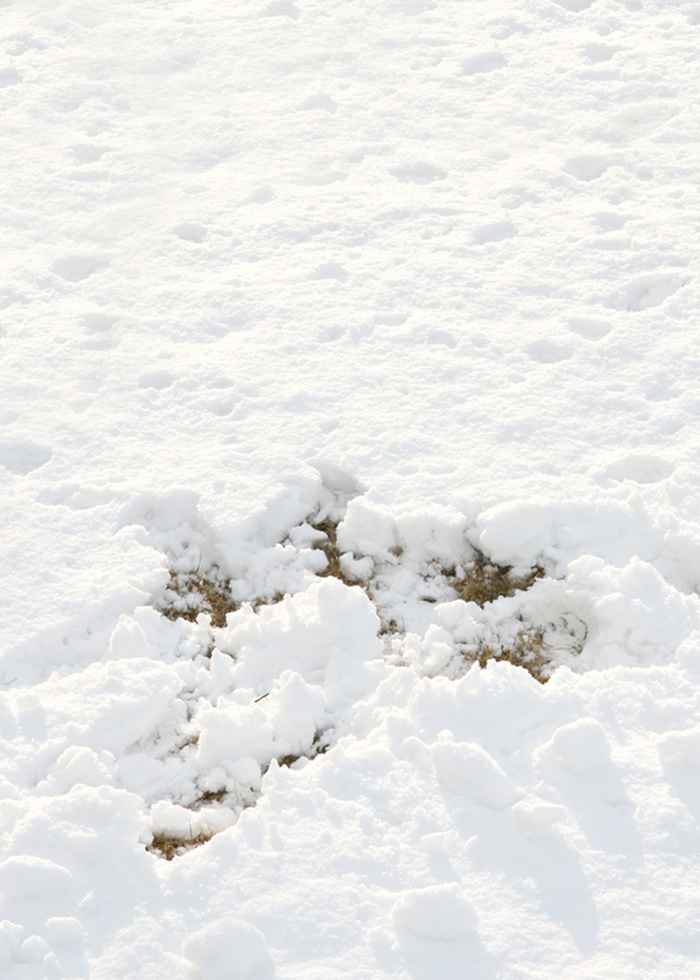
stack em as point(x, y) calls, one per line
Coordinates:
point(426, 270)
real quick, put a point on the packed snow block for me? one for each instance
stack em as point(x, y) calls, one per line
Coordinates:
point(367, 531)
point(466, 769)
point(64, 930)
point(441, 913)
point(229, 949)
point(438, 650)
point(414, 750)
point(579, 747)
point(516, 532)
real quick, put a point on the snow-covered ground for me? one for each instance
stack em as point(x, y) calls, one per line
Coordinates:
point(421, 275)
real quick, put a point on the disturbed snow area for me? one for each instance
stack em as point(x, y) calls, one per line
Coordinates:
point(309, 311)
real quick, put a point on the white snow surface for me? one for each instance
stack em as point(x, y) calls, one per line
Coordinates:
point(425, 269)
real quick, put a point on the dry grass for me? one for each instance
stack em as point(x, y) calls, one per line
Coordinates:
point(527, 651)
point(388, 626)
point(207, 797)
point(276, 597)
point(196, 594)
point(485, 581)
point(168, 846)
point(330, 549)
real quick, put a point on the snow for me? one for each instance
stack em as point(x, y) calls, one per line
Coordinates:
point(229, 949)
point(312, 307)
point(440, 913)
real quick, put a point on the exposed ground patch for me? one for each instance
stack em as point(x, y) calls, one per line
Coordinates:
point(168, 846)
point(405, 592)
point(483, 581)
point(479, 580)
point(188, 595)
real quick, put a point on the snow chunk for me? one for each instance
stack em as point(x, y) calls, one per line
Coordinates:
point(680, 749)
point(64, 930)
point(298, 711)
point(637, 467)
point(233, 732)
point(80, 764)
point(128, 640)
point(688, 653)
point(428, 537)
point(366, 531)
point(579, 747)
point(516, 532)
point(440, 912)
point(177, 821)
point(325, 634)
point(456, 617)
point(538, 819)
point(229, 949)
point(468, 769)
point(28, 876)
point(633, 614)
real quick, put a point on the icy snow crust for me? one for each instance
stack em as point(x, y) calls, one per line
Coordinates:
point(425, 270)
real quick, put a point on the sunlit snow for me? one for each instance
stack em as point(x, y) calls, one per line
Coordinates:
point(350, 612)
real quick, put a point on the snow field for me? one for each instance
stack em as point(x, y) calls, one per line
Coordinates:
point(422, 273)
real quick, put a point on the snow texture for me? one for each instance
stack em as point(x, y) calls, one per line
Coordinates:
point(319, 305)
